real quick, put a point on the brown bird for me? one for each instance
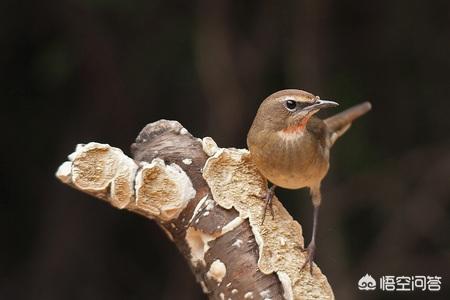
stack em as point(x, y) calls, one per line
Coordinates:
point(291, 147)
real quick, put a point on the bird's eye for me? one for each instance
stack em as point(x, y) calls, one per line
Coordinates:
point(290, 105)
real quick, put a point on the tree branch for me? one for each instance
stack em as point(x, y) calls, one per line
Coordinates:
point(209, 202)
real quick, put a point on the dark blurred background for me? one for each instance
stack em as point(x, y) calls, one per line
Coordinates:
point(98, 70)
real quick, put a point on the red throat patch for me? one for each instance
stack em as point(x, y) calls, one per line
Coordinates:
point(297, 127)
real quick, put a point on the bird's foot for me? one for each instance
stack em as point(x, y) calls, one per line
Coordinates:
point(268, 197)
point(310, 252)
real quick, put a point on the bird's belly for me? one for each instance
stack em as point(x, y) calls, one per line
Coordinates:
point(286, 170)
point(295, 178)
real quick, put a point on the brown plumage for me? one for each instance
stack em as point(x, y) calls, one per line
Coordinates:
point(291, 147)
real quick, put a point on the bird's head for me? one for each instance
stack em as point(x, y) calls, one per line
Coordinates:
point(289, 110)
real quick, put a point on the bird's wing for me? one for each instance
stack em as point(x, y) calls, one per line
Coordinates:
point(340, 123)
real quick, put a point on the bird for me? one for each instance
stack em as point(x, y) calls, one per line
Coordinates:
point(290, 146)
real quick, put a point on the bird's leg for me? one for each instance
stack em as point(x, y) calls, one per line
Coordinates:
point(268, 198)
point(311, 249)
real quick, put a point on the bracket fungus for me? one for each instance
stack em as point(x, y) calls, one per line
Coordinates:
point(208, 201)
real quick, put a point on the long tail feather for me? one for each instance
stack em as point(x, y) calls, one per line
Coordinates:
point(339, 123)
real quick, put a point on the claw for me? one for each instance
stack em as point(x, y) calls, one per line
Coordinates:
point(268, 198)
point(311, 249)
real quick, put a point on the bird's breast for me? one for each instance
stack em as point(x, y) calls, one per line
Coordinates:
point(290, 160)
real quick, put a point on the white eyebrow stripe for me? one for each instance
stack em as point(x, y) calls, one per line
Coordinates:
point(285, 98)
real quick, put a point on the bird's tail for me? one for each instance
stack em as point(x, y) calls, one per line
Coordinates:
point(340, 123)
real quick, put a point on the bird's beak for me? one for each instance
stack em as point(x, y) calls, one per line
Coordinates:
point(319, 104)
